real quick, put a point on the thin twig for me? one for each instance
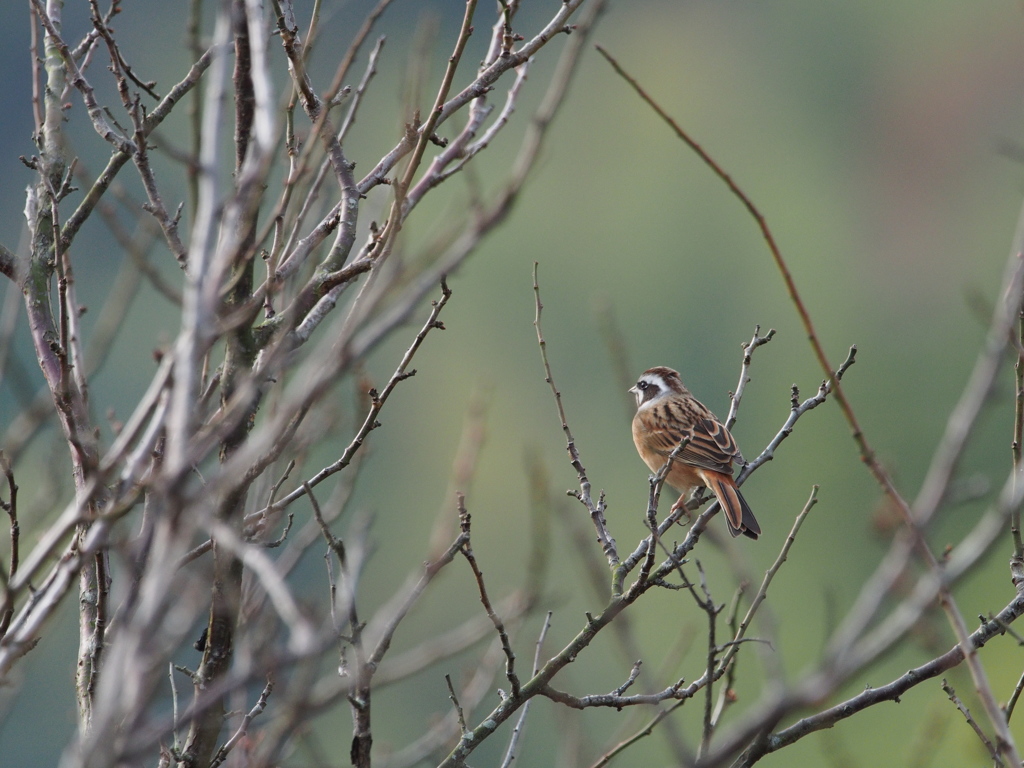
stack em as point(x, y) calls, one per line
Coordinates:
point(499, 626)
point(726, 693)
point(992, 751)
point(707, 604)
point(1014, 697)
point(769, 575)
point(96, 113)
point(377, 400)
point(520, 726)
point(584, 493)
point(455, 703)
point(243, 728)
point(11, 507)
point(657, 482)
point(748, 351)
point(1017, 446)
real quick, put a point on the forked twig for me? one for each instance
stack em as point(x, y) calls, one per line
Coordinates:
point(584, 493)
point(377, 401)
point(499, 626)
point(517, 730)
point(243, 727)
point(748, 351)
point(762, 591)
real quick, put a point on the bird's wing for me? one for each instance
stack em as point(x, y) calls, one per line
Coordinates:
point(711, 445)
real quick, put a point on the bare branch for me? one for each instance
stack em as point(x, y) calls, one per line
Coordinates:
point(499, 626)
point(517, 731)
point(989, 746)
point(584, 494)
point(8, 263)
point(762, 591)
point(945, 458)
point(96, 113)
point(377, 400)
point(11, 507)
point(616, 700)
point(243, 728)
point(748, 351)
point(455, 703)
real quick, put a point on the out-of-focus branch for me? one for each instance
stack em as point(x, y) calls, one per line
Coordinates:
point(400, 667)
point(118, 159)
point(11, 508)
point(377, 400)
point(198, 319)
point(96, 113)
point(1017, 446)
point(891, 691)
point(8, 263)
point(486, 219)
point(277, 271)
point(261, 703)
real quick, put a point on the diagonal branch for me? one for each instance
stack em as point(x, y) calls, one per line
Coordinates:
point(8, 263)
point(499, 626)
point(584, 493)
point(913, 518)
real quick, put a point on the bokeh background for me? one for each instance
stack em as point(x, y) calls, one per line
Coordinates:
point(881, 140)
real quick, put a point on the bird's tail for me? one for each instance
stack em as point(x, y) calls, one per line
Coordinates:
point(737, 512)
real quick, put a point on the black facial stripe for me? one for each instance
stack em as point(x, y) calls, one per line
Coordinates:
point(648, 389)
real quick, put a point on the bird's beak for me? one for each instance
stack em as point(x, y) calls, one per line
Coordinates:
point(633, 391)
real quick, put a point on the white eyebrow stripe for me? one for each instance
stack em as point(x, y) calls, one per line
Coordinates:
point(645, 398)
point(653, 378)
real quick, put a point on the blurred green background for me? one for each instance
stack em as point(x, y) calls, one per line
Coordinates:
point(882, 142)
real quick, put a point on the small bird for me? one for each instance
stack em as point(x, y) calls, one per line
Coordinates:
point(666, 413)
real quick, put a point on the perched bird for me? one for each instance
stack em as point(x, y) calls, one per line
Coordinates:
point(666, 413)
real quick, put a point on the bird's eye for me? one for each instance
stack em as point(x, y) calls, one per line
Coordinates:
point(642, 385)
